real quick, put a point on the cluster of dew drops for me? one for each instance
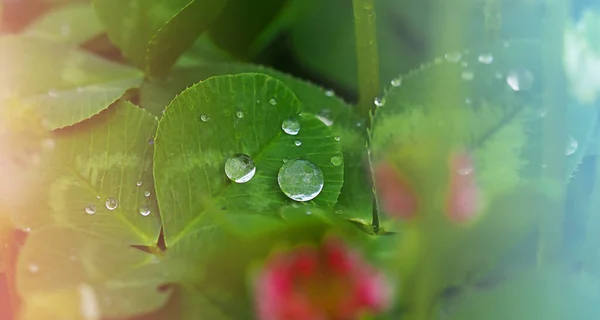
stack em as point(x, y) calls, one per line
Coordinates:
point(518, 79)
point(111, 203)
point(300, 180)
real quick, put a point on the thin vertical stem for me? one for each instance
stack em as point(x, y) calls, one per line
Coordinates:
point(365, 31)
point(550, 244)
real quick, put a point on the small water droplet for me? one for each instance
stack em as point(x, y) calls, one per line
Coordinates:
point(273, 102)
point(329, 93)
point(453, 57)
point(239, 114)
point(240, 168)
point(468, 101)
point(519, 79)
point(336, 160)
point(309, 212)
point(52, 93)
point(467, 75)
point(33, 268)
point(300, 180)
point(379, 102)
point(291, 126)
point(396, 82)
point(297, 143)
point(359, 124)
point(572, 146)
point(111, 203)
point(204, 117)
point(151, 142)
point(337, 138)
point(146, 193)
point(485, 58)
point(145, 211)
point(139, 183)
point(91, 209)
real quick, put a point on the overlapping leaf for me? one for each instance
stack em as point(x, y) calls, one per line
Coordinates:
point(202, 128)
point(53, 78)
point(356, 198)
point(74, 24)
point(153, 34)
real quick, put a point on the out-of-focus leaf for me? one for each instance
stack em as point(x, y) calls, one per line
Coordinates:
point(355, 200)
point(153, 34)
point(91, 178)
point(74, 24)
point(544, 294)
point(53, 77)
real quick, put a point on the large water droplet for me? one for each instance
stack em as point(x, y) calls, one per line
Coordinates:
point(485, 58)
point(240, 168)
point(239, 114)
point(519, 79)
point(144, 210)
point(300, 180)
point(111, 203)
point(297, 143)
point(204, 117)
point(291, 126)
point(396, 82)
point(336, 160)
point(91, 209)
point(453, 57)
point(572, 146)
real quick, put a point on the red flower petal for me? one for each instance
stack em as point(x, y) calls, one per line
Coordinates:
point(396, 195)
point(463, 201)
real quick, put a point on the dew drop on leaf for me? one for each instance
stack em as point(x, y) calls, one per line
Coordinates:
point(467, 75)
point(290, 126)
point(204, 117)
point(33, 268)
point(297, 143)
point(453, 57)
point(329, 93)
point(300, 180)
point(53, 93)
point(519, 79)
point(273, 102)
point(144, 211)
point(336, 160)
point(240, 168)
point(139, 183)
point(111, 203)
point(146, 194)
point(337, 138)
point(379, 102)
point(325, 120)
point(91, 209)
point(396, 82)
point(239, 114)
point(572, 146)
point(485, 58)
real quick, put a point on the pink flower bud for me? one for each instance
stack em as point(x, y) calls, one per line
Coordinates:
point(331, 282)
point(396, 196)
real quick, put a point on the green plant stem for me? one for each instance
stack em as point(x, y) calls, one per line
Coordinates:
point(365, 31)
point(550, 242)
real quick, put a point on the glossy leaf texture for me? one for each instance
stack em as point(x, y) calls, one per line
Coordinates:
point(52, 77)
point(189, 172)
point(153, 34)
point(355, 201)
point(493, 111)
point(95, 201)
point(74, 24)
